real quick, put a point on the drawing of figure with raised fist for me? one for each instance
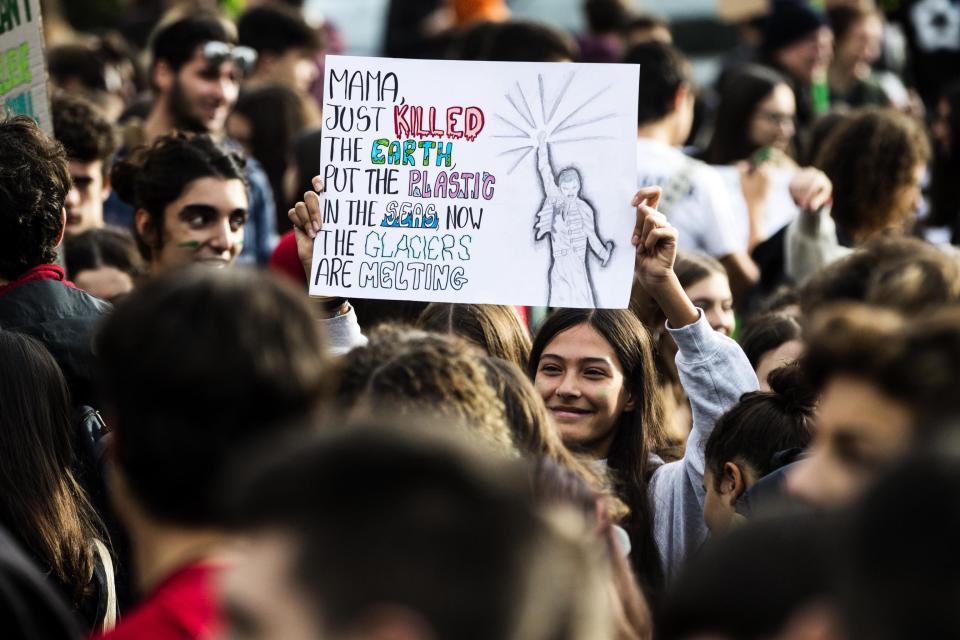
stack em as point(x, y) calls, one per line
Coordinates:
point(570, 223)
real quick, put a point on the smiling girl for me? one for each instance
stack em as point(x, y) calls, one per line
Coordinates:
point(595, 372)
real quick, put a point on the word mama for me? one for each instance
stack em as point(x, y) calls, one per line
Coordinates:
point(360, 85)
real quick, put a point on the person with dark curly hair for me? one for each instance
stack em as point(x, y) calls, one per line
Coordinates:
point(89, 140)
point(875, 160)
point(191, 201)
point(195, 74)
point(35, 297)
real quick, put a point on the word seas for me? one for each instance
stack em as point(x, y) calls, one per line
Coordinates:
point(410, 215)
point(411, 121)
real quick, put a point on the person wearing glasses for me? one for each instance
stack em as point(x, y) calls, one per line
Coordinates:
point(695, 197)
point(195, 74)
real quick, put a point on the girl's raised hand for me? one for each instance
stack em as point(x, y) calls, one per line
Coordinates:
point(655, 240)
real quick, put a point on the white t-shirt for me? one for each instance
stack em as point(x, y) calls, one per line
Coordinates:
point(696, 200)
point(779, 212)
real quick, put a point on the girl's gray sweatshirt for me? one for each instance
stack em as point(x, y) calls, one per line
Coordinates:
point(714, 372)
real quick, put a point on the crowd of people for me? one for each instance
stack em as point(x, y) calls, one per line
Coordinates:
point(763, 445)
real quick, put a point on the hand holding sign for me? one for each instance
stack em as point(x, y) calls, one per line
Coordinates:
point(656, 242)
point(441, 188)
point(305, 216)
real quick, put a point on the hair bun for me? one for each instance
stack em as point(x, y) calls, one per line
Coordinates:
point(791, 385)
point(124, 176)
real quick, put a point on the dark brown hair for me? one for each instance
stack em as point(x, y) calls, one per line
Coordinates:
point(766, 332)
point(84, 132)
point(763, 424)
point(852, 339)
point(34, 182)
point(150, 178)
point(495, 328)
point(392, 513)
point(195, 365)
point(844, 17)
point(413, 372)
point(41, 501)
point(741, 93)
point(639, 433)
point(871, 158)
point(902, 273)
point(556, 485)
point(534, 433)
point(103, 247)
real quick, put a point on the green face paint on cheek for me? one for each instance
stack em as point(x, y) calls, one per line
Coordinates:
point(189, 244)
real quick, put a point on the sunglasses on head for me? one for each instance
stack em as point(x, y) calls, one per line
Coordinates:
point(244, 58)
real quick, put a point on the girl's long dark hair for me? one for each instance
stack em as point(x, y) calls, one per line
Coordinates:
point(639, 433)
point(740, 95)
point(41, 502)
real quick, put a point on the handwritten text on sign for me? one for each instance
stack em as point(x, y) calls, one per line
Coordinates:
point(477, 182)
point(23, 79)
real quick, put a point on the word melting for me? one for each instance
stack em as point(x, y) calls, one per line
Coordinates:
point(402, 276)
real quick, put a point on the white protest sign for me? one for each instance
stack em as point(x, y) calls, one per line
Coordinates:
point(478, 182)
point(23, 76)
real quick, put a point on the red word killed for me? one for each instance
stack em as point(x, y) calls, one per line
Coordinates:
point(410, 121)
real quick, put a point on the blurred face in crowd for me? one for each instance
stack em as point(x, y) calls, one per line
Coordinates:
point(685, 114)
point(940, 128)
point(106, 283)
point(860, 46)
point(260, 599)
point(202, 93)
point(712, 294)
point(240, 129)
point(720, 503)
point(909, 197)
point(860, 431)
point(787, 353)
point(84, 202)
point(807, 59)
point(773, 123)
point(295, 68)
point(582, 383)
point(205, 225)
